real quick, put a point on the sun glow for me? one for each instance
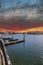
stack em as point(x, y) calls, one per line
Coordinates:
point(39, 29)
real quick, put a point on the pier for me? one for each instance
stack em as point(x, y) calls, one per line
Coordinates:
point(13, 42)
point(9, 41)
point(4, 58)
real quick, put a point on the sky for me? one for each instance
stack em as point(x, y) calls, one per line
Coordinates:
point(21, 15)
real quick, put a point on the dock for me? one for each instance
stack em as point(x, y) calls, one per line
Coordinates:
point(2, 61)
point(13, 42)
point(4, 58)
point(9, 41)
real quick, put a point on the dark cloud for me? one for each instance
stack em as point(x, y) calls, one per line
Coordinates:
point(26, 10)
point(13, 24)
point(22, 16)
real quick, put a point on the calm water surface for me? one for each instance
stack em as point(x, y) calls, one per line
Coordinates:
point(28, 53)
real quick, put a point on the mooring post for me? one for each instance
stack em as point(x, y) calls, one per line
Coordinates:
point(12, 36)
point(0, 6)
point(24, 37)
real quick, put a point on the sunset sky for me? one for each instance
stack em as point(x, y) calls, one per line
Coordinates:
point(21, 15)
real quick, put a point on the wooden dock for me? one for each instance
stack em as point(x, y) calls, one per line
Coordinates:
point(14, 42)
point(4, 58)
point(9, 41)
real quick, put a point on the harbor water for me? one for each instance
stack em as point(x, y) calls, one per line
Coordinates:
point(29, 52)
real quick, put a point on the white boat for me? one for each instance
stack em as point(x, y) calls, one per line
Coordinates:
point(5, 35)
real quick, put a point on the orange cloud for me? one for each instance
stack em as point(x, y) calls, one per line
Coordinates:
point(2, 30)
point(39, 29)
point(21, 25)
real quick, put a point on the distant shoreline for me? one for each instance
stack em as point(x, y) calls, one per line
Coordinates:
point(25, 33)
point(35, 33)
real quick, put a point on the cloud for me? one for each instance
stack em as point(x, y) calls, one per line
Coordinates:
point(30, 11)
point(12, 24)
point(21, 18)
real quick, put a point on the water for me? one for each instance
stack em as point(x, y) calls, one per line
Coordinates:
point(28, 53)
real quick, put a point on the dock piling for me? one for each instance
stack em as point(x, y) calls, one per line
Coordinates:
point(24, 37)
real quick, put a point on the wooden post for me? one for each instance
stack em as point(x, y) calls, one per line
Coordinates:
point(0, 6)
point(12, 36)
point(24, 37)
